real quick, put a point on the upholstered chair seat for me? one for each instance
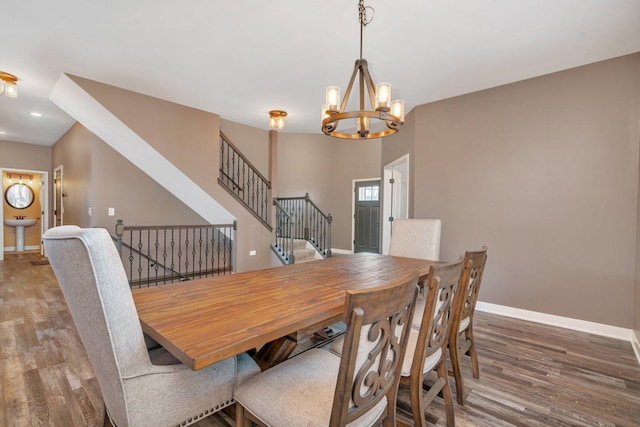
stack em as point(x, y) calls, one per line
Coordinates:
point(319, 388)
point(299, 392)
point(140, 387)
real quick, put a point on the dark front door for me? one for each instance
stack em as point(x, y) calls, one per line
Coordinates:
point(367, 217)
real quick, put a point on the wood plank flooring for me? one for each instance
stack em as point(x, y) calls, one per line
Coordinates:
point(530, 374)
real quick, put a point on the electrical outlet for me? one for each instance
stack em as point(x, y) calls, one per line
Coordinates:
point(111, 212)
point(89, 210)
point(252, 253)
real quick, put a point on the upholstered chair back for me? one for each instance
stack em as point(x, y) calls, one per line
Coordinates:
point(95, 286)
point(416, 238)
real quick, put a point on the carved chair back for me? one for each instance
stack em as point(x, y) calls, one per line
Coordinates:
point(378, 323)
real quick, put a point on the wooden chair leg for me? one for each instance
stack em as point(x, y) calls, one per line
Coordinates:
point(457, 374)
point(472, 353)
point(106, 421)
point(241, 420)
point(417, 400)
point(446, 393)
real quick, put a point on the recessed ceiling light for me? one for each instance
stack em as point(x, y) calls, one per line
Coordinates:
point(36, 114)
point(2, 132)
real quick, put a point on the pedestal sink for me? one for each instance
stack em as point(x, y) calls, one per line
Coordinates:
point(19, 224)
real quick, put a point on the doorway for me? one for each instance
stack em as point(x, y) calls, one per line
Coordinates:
point(36, 182)
point(58, 207)
point(366, 217)
point(395, 197)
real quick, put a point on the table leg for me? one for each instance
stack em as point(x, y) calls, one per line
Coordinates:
point(275, 352)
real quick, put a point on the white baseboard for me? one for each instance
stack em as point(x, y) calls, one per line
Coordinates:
point(26, 248)
point(341, 251)
point(635, 343)
point(562, 322)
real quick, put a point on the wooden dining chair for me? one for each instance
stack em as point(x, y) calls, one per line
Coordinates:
point(427, 347)
point(461, 341)
point(416, 238)
point(139, 387)
point(318, 388)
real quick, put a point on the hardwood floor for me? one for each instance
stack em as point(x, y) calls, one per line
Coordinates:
point(530, 374)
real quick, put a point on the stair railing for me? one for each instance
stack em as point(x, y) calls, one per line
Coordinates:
point(311, 224)
point(157, 255)
point(283, 246)
point(243, 181)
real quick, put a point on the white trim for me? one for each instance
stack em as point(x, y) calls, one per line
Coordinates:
point(562, 322)
point(385, 236)
point(635, 343)
point(26, 248)
point(341, 251)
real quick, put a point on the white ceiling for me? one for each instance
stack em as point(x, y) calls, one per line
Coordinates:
point(242, 58)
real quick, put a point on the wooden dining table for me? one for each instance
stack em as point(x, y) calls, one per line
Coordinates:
point(204, 321)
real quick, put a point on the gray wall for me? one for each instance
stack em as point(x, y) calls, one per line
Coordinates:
point(545, 173)
point(187, 137)
point(325, 168)
point(97, 176)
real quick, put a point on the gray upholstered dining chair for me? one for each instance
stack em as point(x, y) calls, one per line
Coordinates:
point(136, 391)
point(427, 347)
point(416, 238)
point(318, 388)
point(474, 263)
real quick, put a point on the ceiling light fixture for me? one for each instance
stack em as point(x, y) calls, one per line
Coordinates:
point(34, 114)
point(8, 84)
point(276, 119)
point(382, 108)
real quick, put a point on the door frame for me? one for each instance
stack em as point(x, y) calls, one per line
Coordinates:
point(55, 196)
point(44, 203)
point(387, 200)
point(353, 208)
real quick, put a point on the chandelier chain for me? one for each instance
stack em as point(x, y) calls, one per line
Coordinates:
point(364, 19)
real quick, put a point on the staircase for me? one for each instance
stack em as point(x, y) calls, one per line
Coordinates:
point(244, 182)
point(303, 251)
point(302, 230)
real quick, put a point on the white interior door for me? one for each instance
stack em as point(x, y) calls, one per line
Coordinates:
point(395, 197)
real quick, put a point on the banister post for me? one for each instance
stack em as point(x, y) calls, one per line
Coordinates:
point(329, 220)
point(292, 258)
point(307, 218)
point(119, 233)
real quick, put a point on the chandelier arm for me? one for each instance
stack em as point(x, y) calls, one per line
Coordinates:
point(362, 84)
point(370, 86)
point(347, 93)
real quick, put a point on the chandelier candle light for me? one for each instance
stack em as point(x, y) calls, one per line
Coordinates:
point(382, 108)
point(8, 85)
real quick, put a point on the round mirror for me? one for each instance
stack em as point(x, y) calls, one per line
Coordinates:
point(19, 196)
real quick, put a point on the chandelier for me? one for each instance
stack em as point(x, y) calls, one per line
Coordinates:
point(382, 108)
point(8, 84)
